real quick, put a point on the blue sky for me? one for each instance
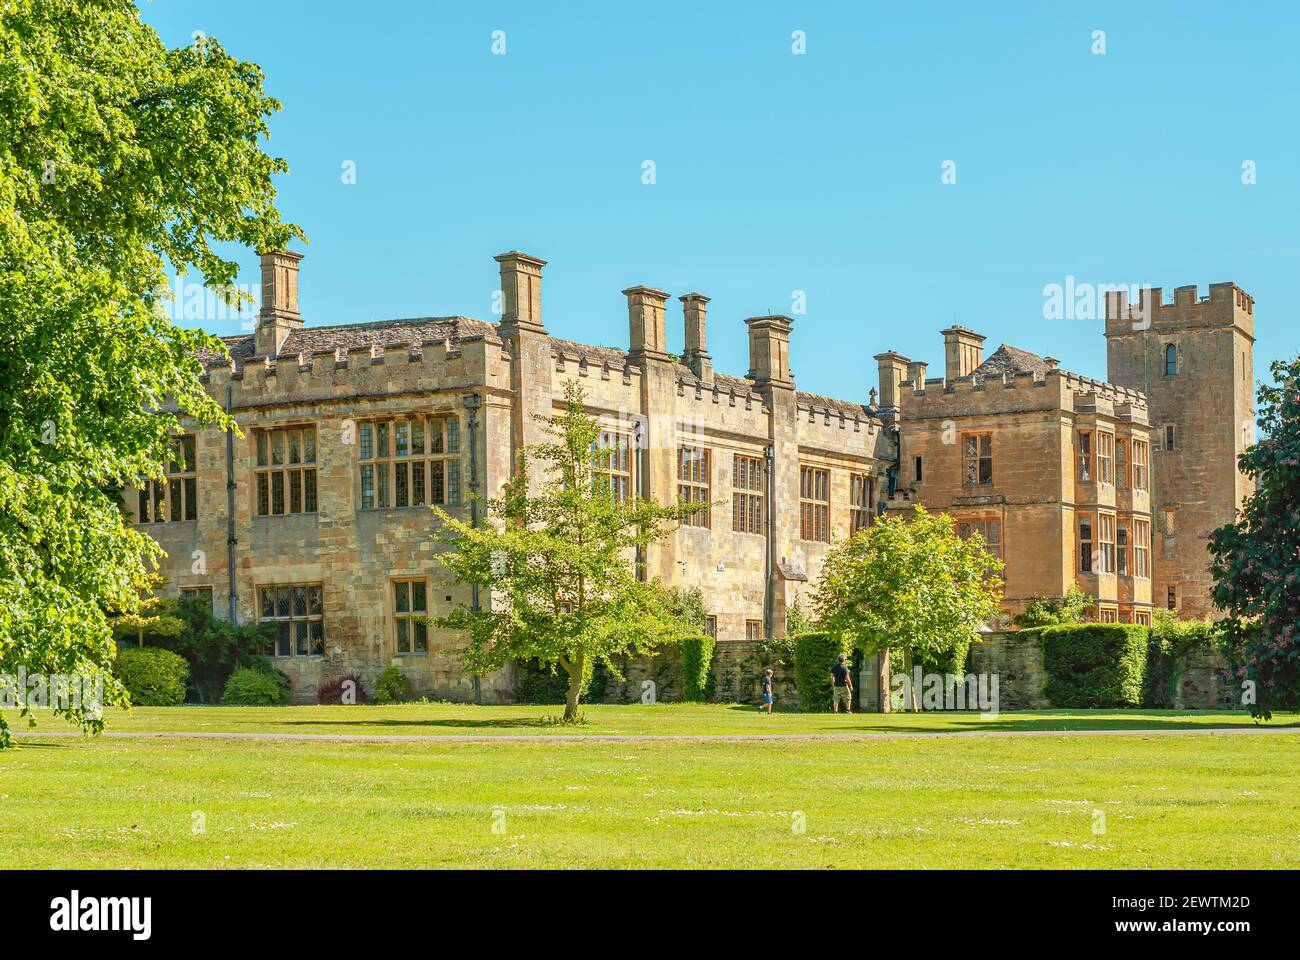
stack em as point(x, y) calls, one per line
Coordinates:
point(778, 172)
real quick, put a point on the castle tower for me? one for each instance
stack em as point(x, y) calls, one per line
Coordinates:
point(1194, 359)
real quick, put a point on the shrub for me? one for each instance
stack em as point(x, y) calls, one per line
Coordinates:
point(213, 648)
point(697, 672)
point(814, 655)
point(1171, 642)
point(1094, 664)
point(153, 677)
point(331, 691)
point(255, 687)
point(391, 686)
point(1048, 611)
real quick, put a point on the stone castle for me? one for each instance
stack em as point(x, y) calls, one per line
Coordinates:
point(315, 518)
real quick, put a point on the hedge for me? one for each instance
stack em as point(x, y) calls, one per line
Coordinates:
point(1170, 644)
point(255, 687)
point(1094, 664)
point(697, 668)
point(154, 677)
point(814, 655)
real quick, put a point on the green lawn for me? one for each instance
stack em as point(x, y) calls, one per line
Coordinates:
point(662, 719)
point(1156, 801)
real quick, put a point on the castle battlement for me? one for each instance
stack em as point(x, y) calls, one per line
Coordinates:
point(1225, 305)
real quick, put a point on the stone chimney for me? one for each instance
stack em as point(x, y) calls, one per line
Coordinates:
point(647, 322)
point(278, 316)
point(963, 351)
point(916, 373)
point(521, 293)
point(769, 351)
point(696, 355)
point(893, 368)
point(1052, 362)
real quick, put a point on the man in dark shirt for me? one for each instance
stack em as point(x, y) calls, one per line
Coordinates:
point(841, 687)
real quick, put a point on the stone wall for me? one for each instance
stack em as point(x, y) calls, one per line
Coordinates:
point(1017, 659)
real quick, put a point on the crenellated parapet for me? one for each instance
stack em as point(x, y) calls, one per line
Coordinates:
point(364, 371)
point(1225, 305)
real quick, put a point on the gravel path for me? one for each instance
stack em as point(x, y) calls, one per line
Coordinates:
point(651, 738)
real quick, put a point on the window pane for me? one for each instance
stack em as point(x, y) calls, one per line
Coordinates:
point(174, 495)
point(382, 439)
point(277, 447)
point(282, 595)
point(436, 440)
point(300, 601)
point(367, 442)
point(402, 486)
point(382, 498)
point(437, 481)
point(314, 600)
point(262, 442)
point(295, 446)
point(309, 445)
point(453, 435)
point(417, 436)
point(284, 646)
point(316, 631)
point(295, 491)
point(402, 592)
point(421, 637)
point(417, 482)
point(402, 439)
point(268, 603)
point(453, 481)
point(191, 499)
point(309, 486)
point(419, 604)
point(277, 493)
point(300, 633)
point(368, 486)
point(403, 636)
point(263, 497)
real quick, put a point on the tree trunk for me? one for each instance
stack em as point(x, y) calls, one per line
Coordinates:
point(882, 681)
point(575, 689)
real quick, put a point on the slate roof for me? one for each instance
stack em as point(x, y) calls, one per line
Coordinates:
point(424, 330)
point(1007, 359)
point(352, 336)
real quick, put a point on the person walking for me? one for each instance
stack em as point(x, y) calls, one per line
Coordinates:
point(841, 687)
point(766, 705)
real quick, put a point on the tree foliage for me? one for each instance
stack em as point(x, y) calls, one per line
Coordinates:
point(149, 614)
point(1256, 559)
point(557, 554)
point(119, 158)
point(910, 585)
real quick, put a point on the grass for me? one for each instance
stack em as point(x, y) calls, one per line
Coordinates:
point(1123, 801)
point(636, 720)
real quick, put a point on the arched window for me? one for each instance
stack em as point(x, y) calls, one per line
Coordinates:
point(1171, 360)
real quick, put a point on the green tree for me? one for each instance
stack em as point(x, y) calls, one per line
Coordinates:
point(148, 613)
point(909, 585)
point(119, 158)
point(1255, 561)
point(556, 552)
